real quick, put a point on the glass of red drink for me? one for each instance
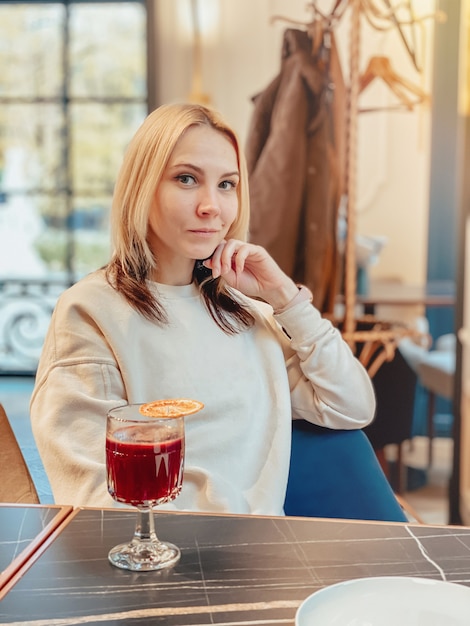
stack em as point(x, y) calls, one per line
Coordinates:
point(144, 465)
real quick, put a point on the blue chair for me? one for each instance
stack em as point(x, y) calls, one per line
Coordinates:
point(336, 474)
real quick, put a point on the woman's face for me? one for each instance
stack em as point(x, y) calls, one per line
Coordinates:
point(195, 203)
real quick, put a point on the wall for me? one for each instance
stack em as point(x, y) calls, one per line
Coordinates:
point(464, 336)
point(242, 56)
point(460, 483)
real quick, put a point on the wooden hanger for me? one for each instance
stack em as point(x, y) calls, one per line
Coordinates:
point(410, 46)
point(338, 8)
point(335, 14)
point(381, 67)
point(321, 22)
point(387, 18)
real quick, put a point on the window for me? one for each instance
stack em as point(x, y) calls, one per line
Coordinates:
point(73, 90)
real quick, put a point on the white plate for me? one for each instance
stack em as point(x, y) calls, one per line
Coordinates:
point(387, 601)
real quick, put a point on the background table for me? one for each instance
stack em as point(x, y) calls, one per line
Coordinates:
point(233, 570)
point(438, 293)
point(23, 530)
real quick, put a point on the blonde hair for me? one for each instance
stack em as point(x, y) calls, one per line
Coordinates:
point(142, 169)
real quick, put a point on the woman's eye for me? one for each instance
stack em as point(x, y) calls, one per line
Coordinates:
point(186, 179)
point(228, 184)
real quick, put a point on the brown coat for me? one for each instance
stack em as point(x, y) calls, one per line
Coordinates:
point(295, 154)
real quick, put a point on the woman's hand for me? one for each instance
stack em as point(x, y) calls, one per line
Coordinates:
point(251, 270)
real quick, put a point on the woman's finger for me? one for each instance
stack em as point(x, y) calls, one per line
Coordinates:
point(214, 263)
point(228, 255)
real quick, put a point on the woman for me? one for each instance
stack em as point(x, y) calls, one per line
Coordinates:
point(187, 308)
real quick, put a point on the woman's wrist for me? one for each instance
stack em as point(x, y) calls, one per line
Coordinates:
point(280, 296)
point(303, 295)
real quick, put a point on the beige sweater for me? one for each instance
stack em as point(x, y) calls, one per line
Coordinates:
point(99, 351)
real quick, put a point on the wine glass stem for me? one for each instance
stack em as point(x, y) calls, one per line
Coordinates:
point(145, 525)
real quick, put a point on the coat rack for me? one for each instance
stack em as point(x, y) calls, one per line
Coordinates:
point(381, 340)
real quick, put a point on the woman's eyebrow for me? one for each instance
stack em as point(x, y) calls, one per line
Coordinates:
point(200, 170)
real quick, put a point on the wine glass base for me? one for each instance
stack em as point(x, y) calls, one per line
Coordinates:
point(144, 556)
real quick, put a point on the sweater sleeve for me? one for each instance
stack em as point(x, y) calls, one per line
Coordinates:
point(77, 382)
point(329, 386)
point(68, 417)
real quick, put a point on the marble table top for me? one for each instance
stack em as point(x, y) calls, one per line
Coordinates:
point(233, 570)
point(23, 529)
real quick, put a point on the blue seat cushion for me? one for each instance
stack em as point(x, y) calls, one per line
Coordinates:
point(336, 474)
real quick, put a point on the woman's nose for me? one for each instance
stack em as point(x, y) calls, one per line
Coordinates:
point(208, 203)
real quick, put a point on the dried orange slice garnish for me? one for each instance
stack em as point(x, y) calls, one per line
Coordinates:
point(172, 407)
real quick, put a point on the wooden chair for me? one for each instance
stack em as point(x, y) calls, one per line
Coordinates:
point(16, 484)
point(436, 374)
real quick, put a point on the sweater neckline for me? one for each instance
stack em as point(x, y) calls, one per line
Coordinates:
point(176, 291)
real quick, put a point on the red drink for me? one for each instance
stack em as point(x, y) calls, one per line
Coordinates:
point(142, 473)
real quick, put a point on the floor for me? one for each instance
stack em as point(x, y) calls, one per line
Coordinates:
point(427, 492)
point(426, 495)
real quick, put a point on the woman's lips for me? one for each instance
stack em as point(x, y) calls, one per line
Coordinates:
point(202, 232)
